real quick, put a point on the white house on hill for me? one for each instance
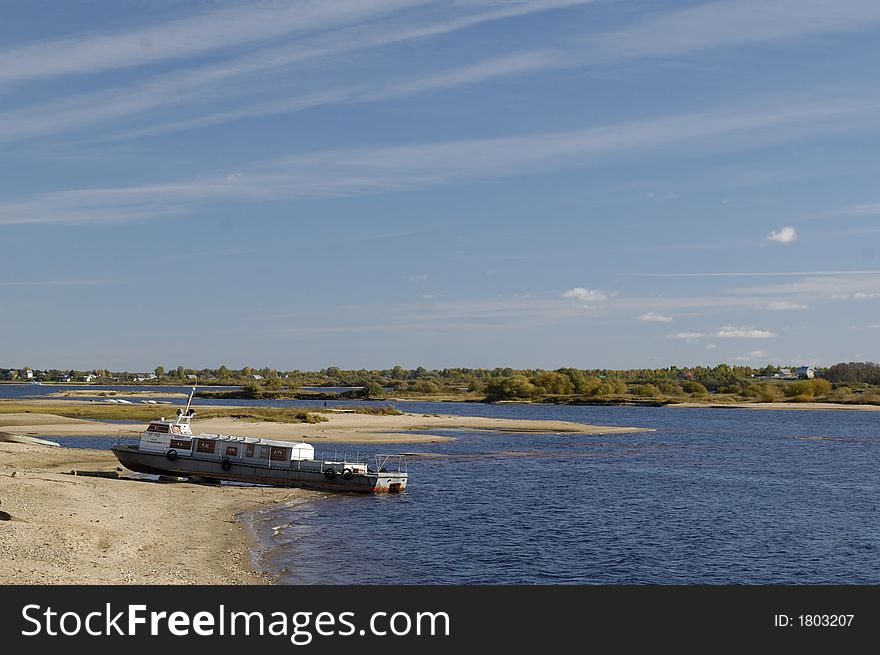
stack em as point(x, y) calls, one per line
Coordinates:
point(805, 372)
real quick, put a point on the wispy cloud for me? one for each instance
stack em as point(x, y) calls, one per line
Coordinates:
point(417, 166)
point(745, 332)
point(727, 332)
point(733, 22)
point(207, 86)
point(760, 274)
point(85, 282)
point(349, 26)
point(785, 306)
point(783, 235)
point(186, 37)
point(849, 211)
point(654, 317)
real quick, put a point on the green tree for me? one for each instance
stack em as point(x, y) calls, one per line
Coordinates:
point(509, 388)
point(550, 382)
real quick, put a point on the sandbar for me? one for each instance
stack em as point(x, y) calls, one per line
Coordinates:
point(340, 427)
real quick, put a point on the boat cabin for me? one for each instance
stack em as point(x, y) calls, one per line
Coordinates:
point(163, 436)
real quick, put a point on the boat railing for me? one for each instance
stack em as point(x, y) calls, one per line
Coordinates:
point(391, 463)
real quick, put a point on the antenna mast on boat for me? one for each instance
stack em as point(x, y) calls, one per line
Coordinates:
point(185, 415)
point(189, 402)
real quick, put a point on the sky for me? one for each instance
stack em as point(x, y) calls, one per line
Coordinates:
point(474, 183)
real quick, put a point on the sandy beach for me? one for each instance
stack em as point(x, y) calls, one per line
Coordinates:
point(69, 529)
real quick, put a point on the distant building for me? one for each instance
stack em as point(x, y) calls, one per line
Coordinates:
point(89, 377)
point(29, 374)
point(805, 373)
point(191, 376)
point(257, 377)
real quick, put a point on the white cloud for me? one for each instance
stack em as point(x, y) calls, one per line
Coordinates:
point(744, 332)
point(784, 305)
point(711, 346)
point(727, 332)
point(862, 295)
point(784, 235)
point(654, 317)
point(580, 293)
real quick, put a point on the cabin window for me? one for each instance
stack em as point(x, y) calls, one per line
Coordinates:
point(232, 451)
point(249, 450)
point(181, 444)
point(278, 453)
point(158, 427)
point(264, 452)
point(206, 445)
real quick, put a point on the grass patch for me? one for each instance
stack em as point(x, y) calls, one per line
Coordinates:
point(380, 410)
point(97, 411)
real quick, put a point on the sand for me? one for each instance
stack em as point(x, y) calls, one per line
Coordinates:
point(87, 530)
point(101, 393)
point(340, 427)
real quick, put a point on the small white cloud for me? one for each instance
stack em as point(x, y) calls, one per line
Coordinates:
point(233, 178)
point(784, 235)
point(861, 295)
point(711, 346)
point(744, 332)
point(580, 293)
point(784, 306)
point(654, 317)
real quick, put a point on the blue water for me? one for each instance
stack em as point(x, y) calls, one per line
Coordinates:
point(711, 496)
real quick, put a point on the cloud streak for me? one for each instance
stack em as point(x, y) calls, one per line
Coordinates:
point(727, 332)
point(390, 169)
point(186, 37)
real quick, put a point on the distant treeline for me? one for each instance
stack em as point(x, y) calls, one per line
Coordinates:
point(767, 383)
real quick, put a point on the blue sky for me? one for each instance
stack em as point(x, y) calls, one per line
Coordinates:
point(605, 183)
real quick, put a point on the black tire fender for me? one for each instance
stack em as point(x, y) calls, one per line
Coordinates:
point(171, 455)
point(347, 473)
point(225, 464)
point(330, 473)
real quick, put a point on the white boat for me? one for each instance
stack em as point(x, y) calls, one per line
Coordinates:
point(169, 447)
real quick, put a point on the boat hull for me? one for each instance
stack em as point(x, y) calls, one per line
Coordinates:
point(158, 464)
